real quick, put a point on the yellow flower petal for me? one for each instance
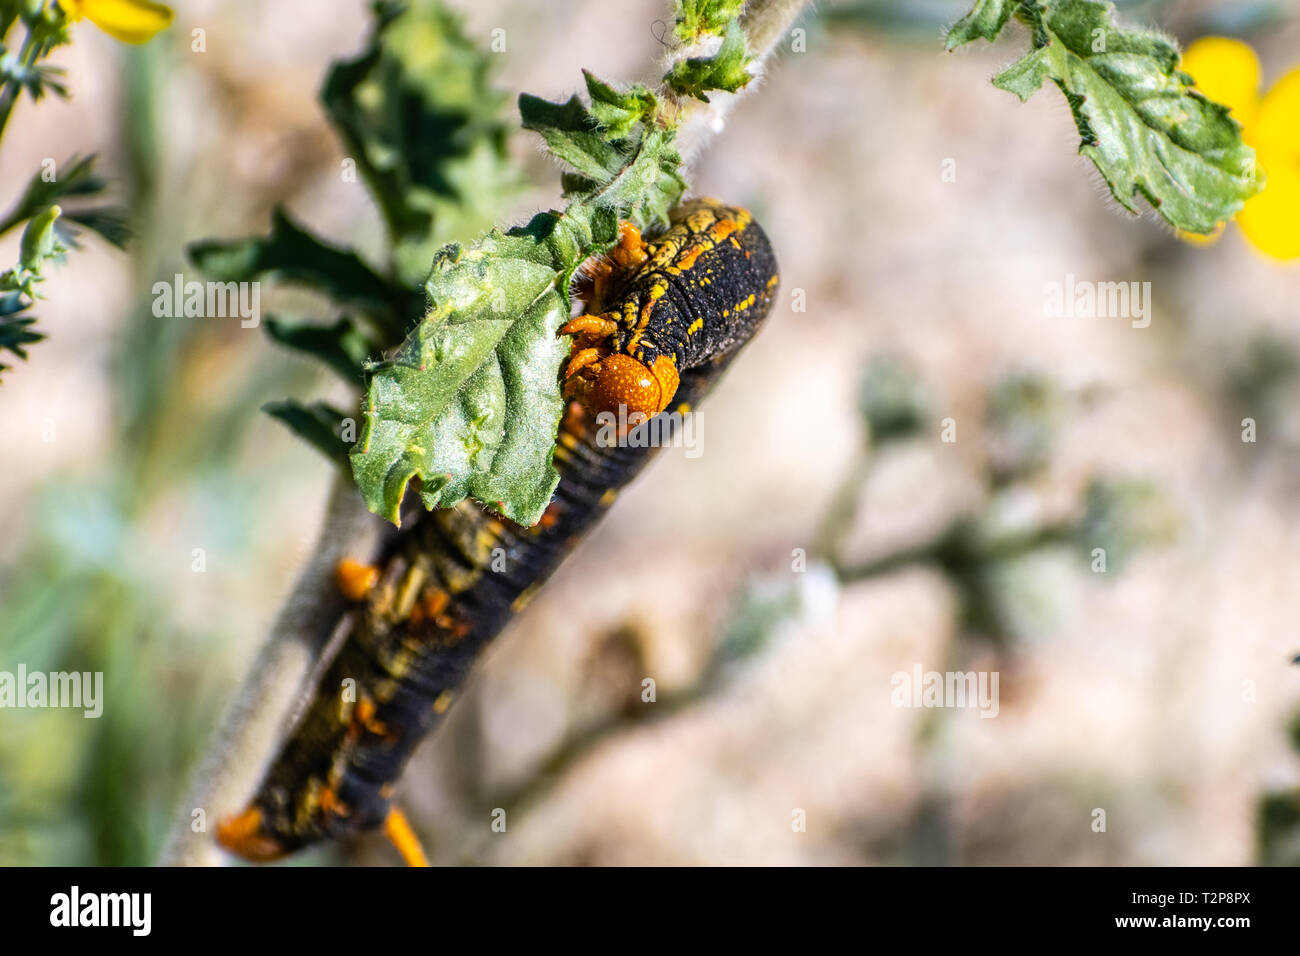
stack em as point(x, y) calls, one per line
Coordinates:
point(131, 21)
point(1277, 128)
point(1271, 220)
point(1197, 239)
point(1227, 71)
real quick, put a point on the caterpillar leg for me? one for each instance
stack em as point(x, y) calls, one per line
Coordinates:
point(354, 579)
point(583, 359)
point(244, 835)
point(596, 325)
point(631, 249)
point(398, 830)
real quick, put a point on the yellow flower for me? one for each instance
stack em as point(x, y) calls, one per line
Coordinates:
point(1228, 71)
point(131, 21)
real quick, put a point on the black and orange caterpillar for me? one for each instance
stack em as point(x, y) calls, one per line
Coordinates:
point(664, 318)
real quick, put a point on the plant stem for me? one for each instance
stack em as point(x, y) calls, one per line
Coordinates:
point(27, 56)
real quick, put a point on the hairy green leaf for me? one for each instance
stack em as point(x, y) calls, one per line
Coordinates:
point(985, 21)
point(725, 70)
point(573, 134)
point(1142, 124)
point(698, 18)
point(470, 403)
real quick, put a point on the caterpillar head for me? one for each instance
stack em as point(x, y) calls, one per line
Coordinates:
point(604, 383)
point(622, 380)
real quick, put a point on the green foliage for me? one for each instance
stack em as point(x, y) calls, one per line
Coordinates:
point(699, 18)
point(75, 180)
point(15, 330)
point(51, 229)
point(46, 27)
point(418, 114)
point(724, 70)
point(623, 156)
point(984, 22)
point(342, 346)
point(40, 243)
point(767, 607)
point(420, 119)
point(1146, 129)
point(1278, 828)
point(295, 256)
point(1024, 414)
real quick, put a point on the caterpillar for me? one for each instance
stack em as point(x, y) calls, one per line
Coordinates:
point(662, 320)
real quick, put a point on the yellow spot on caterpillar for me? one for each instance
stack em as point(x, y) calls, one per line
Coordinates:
point(443, 702)
point(521, 602)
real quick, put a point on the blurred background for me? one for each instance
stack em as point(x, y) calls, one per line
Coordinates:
point(828, 538)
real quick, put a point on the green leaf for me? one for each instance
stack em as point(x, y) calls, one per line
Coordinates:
point(985, 21)
point(725, 70)
point(698, 18)
point(294, 255)
point(625, 160)
point(320, 424)
point(108, 221)
point(418, 114)
point(341, 346)
point(618, 111)
point(1143, 126)
point(15, 330)
point(471, 402)
point(573, 134)
point(74, 179)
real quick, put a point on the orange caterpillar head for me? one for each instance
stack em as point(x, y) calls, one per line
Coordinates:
point(622, 380)
point(604, 383)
